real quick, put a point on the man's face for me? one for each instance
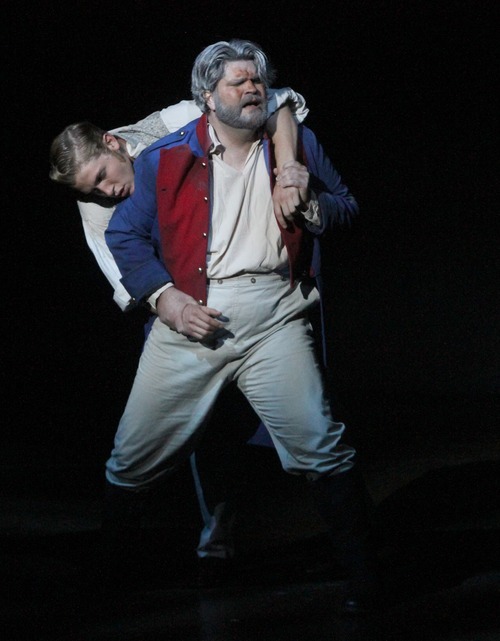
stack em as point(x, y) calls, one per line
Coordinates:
point(240, 97)
point(110, 174)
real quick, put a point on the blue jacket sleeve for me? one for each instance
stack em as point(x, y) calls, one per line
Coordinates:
point(132, 234)
point(337, 205)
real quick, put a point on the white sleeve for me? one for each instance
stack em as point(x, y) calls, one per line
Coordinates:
point(176, 116)
point(276, 98)
point(95, 219)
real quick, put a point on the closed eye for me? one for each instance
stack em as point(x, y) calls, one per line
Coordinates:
point(100, 177)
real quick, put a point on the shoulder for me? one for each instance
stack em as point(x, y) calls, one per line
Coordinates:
point(142, 133)
point(177, 116)
point(185, 135)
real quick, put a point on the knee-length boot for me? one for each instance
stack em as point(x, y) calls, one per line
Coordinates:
point(120, 535)
point(344, 503)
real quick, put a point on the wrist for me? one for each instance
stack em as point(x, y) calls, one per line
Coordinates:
point(155, 296)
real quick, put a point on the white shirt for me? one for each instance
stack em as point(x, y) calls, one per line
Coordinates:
point(244, 234)
point(95, 218)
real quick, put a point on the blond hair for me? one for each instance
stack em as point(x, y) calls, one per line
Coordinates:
point(74, 147)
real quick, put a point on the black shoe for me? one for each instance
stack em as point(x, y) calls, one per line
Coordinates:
point(214, 572)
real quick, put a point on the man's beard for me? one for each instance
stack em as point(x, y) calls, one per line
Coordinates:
point(234, 116)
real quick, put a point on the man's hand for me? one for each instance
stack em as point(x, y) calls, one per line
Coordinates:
point(291, 191)
point(183, 314)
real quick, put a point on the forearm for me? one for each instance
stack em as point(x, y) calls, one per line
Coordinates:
point(282, 128)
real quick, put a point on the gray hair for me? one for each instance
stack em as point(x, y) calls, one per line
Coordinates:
point(209, 67)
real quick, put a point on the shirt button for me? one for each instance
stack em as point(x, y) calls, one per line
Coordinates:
point(205, 198)
point(203, 164)
point(204, 234)
point(200, 270)
point(252, 280)
point(219, 282)
point(200, 301)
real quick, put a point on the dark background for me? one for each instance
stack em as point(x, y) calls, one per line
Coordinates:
point(402, 97)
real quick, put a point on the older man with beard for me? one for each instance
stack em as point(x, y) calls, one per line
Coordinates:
point(234, 285)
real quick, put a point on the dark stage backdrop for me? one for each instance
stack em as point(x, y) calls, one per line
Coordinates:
point(401, 95)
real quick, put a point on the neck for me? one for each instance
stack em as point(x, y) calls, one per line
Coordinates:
point(236, 142)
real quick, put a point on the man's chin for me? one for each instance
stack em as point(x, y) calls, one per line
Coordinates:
point(255, 119)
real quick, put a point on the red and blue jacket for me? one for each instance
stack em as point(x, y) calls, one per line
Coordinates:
point(160, 233)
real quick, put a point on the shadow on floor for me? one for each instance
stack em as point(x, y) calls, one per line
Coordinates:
point(438, 541)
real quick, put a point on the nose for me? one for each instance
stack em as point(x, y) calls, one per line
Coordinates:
point(107, 190)
point(250, 86)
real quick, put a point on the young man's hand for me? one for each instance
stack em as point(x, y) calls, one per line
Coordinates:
point(291, 191)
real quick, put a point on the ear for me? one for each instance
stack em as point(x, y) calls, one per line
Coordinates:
point(111, 141)
point(209, 101)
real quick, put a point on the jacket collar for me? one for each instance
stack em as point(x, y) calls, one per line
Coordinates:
point(203, 135)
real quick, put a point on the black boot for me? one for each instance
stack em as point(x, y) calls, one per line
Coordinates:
point(343, 501)
point(118, 559)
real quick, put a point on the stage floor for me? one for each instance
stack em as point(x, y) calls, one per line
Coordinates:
point(437, 521)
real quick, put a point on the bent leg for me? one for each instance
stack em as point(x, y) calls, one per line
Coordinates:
point(173, 392)
point(283, 382)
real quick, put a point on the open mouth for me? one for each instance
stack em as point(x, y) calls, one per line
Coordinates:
point(253, 103)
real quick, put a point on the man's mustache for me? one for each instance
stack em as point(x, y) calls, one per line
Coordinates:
point(252, 100)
